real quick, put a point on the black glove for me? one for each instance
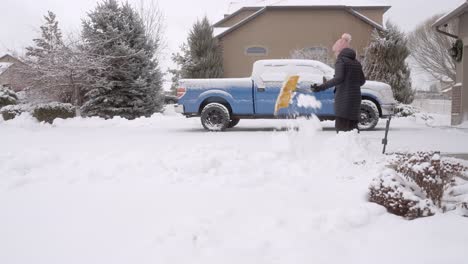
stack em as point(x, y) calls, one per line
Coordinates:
point(315, 88)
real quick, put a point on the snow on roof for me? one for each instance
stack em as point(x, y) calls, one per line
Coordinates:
point(461, 8)
point(368, 20)
point(4, 66)
point(236, 5)
point(219, 30)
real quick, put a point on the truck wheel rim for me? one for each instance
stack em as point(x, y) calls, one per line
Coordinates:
point(214, 117)
point(367, 118)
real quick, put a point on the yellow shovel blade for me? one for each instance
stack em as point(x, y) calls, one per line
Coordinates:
point(285, 95)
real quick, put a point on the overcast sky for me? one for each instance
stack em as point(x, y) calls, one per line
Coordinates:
point(20, 19)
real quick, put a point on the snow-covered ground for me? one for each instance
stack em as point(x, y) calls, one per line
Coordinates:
point(162, 190)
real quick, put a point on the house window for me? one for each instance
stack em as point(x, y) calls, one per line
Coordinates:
point(313, 53)
point(256, 51)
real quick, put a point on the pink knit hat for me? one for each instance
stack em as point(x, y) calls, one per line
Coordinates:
point(341, 44)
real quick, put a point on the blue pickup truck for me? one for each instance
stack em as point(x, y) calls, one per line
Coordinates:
point(221, 103)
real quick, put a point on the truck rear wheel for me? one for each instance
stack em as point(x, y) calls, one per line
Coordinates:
point(233, 122)
point(215, 117)
point(369, 115)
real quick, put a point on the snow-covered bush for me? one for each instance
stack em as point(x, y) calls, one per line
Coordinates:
point(415, 184)
point(393, 192)
point(405, 110)
point(11, 111)
point(49, 112)
point(7, 97)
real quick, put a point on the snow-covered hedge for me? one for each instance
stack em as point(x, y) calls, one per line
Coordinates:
point(7, 97)
point(49, 112)
point(416, 184)
point(11, 111)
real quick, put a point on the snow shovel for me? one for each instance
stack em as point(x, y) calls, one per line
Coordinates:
point(286, 93)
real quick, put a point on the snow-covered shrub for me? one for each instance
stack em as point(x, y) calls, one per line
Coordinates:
point(415, 184)
point(405, 110)
point(393, 192)
point(11, 111)
point(7, 97)
point(49, 112)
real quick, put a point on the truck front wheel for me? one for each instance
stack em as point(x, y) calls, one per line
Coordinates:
point(215, 117)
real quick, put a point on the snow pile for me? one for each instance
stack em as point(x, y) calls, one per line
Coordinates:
point(308, 101)
point(416, 115)
point(463, 125)
point(162, 190)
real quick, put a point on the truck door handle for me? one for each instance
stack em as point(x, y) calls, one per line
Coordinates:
point(261, 89)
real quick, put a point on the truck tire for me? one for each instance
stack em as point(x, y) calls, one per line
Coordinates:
point(215, 117)
point(369, 115)
point(233, 122)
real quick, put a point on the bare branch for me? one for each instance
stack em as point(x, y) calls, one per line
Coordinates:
point(430, 50)
point(154, 23)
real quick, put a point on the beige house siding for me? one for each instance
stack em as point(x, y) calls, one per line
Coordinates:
point(237, 18)
point(460, 93)
point(463, 33)
point(13, 76)
point(376, 14)
point(277, 30)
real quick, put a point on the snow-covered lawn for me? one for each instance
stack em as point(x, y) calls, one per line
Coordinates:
point(162, 190)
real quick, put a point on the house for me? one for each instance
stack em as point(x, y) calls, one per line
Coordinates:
point(458, 18)
point(274, 29)
point(11, 74)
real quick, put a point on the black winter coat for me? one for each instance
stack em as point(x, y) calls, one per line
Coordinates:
point(348, 80)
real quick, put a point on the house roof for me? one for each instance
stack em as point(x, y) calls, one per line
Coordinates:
point(11, 58)
point(262, 10)
point(236, 5)
point(453, 14)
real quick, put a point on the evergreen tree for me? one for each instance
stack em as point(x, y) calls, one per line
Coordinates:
point(45, 61)
point(130, 83)
point(50, 40)
point(385, 61)
point(201, 56)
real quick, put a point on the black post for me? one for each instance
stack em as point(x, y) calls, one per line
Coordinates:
point(385, 140)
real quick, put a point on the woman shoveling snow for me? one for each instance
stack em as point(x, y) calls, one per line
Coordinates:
point(348, 80)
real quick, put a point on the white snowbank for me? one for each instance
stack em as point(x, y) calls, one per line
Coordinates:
point(161, 190)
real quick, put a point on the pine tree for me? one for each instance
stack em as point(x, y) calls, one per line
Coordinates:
point(201, 56)
point(50, 41)
point(385, 61)
point(45, 60)
point(130, 83)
